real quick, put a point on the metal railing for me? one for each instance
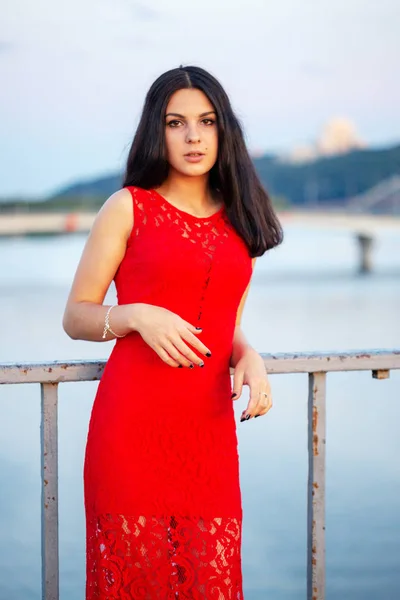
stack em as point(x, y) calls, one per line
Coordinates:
point(317, 365)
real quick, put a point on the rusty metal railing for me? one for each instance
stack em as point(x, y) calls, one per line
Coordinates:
point(316, 365)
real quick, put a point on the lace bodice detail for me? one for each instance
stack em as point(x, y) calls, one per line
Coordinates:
point(197, 230)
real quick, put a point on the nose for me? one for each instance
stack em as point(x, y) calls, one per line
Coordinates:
point(192, 134)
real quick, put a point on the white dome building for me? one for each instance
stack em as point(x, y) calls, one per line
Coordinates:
point(338, 136)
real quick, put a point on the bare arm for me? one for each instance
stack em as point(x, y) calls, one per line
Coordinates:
point(104, 249)
point(249, 370)
point(163, 330)
point(240, 344)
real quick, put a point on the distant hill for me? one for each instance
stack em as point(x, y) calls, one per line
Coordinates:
point(327, 182)
point(330, 180)
point(104, 187)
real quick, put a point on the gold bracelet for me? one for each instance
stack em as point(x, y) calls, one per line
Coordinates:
point(107, 325)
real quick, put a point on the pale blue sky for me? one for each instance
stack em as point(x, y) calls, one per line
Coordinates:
point(74, 75)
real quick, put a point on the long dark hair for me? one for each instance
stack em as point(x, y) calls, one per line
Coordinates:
point(248, 205)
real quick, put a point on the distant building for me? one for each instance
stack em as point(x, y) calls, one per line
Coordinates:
point(338, 136)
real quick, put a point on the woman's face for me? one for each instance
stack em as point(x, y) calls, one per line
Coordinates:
point(191, 127)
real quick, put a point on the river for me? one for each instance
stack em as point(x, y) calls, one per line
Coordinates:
point(305, 296)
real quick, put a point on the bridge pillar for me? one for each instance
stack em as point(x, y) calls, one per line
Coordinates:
point(365, 243)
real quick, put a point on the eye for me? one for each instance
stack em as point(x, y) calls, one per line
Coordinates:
point(173, 123)
point(209, 121)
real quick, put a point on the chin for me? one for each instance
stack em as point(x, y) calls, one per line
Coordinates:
point(193, 170)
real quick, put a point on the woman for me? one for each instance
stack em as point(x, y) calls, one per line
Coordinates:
point(180, 238)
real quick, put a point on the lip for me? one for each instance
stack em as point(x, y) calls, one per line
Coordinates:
point(190, 157)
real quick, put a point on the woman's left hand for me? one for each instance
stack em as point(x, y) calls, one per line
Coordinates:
point(250, 370)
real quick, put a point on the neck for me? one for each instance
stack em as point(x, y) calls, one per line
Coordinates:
point(188, 192)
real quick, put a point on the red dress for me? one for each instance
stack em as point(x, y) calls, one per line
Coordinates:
point(161, 474)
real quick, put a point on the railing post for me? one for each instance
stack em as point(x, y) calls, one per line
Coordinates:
point(49, 474)
point(316, 487)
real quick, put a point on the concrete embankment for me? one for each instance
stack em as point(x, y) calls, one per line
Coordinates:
point(45, 223)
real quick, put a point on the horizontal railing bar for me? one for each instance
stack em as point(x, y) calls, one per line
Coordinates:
point(299, 362)
point(52, 372)
point(325, 362)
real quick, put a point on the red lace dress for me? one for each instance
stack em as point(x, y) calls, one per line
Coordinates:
point(161, 473)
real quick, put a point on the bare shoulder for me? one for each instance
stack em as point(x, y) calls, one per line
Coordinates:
point(117, 213)
point(104, 249)
point(121, 197)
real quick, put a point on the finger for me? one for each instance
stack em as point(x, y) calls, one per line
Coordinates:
point(265, 406)
point(165, 356)
point(237, 384)
point(254, 399)
point(176, 355)
point(187, 353)
point(263, 412)
point(194, 341)
point(258, 401)
point(193, 328)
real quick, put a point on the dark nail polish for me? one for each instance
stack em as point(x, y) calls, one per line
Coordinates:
point(198, 328)
point(234, 394)
point(255, 416)
point(191, 365)
point(180, 367)
point(208, 354)
point(248, 417)
point(201, 364)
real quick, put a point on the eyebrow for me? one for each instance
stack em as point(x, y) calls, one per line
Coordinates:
point(183, 117)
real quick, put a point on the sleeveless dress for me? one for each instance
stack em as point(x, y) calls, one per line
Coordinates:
point(161, 470)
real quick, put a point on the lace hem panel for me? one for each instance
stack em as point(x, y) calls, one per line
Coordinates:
point(163, 557)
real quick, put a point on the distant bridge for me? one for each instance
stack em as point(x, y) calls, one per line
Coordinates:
point(359, 223)
point(385, 194)
point(359, 216)
point(363, 226)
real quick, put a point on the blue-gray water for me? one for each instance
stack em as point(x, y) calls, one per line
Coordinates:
point(305, 295)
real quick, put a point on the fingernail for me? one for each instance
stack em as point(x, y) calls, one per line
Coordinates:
point(191, 365)
point(201, 364)
point(208, 354)
point(248, 417)
point(198, 327)
point(234, 394)
point(180, 367)
point(255, 416)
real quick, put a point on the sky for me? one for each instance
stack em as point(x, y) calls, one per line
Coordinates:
point(74, 75)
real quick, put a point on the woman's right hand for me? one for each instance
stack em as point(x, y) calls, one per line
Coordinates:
point(166, 332)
